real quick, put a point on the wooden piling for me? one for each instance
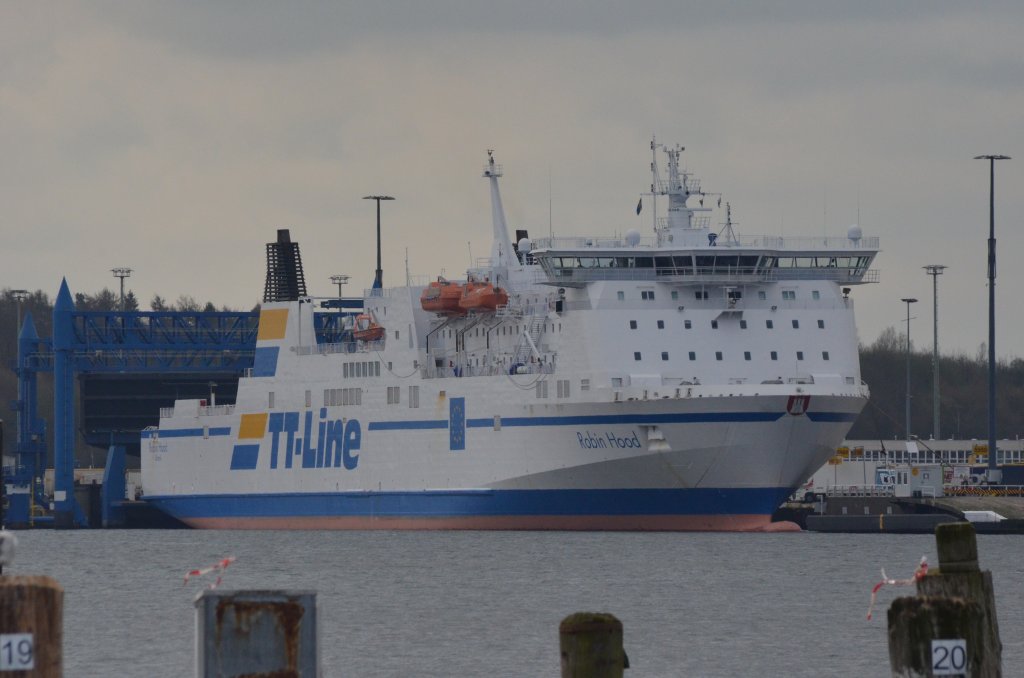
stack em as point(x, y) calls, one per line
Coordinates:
point(31, 627)
point(955, 602)
point(591, 646)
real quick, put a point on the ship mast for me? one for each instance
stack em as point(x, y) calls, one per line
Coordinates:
point(681, 226)
point(501, 247)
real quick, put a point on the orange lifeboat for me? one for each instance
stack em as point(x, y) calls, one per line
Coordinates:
point(367, 329)
point(482, 296)
point(442, 297)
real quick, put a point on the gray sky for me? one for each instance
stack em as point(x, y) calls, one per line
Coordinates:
point(175, 138)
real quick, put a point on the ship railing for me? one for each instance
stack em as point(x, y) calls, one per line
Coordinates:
point(984, 490)
point(341, 347)
point(860, 491)
point(213, 410)
point(762, 242)
point(706, 276)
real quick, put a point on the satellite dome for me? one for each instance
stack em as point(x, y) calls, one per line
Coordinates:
point(854, 232)
point(525, 246)
point(632, 237)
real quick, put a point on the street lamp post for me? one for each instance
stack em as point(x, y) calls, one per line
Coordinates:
point(339, 280)
point(935, 270)
point(908, 302)
point(122, 273)
point(995, 475)
point(378, 278)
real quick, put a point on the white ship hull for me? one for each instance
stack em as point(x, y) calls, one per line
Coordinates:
point(689, 385)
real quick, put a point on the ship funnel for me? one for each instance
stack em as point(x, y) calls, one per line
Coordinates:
point(285, 280)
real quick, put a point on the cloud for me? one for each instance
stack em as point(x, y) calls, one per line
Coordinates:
point(177, 137)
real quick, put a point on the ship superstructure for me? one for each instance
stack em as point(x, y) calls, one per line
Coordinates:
point(687, 380)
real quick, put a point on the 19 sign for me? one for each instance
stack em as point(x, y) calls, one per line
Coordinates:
point(949, 657)
point(16, 652)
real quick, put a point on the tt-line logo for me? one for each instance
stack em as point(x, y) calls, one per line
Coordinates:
point(295, 443)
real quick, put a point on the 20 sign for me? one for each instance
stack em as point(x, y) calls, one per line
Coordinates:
point(949, 657)
point(17, 652)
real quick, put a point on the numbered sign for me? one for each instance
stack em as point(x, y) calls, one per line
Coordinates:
point(949, 657)
point(17, 652)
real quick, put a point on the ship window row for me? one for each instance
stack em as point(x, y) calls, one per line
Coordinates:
point(742, 264)
point(688, 324)
point(719, 355)
point(334, 397)
point(368, 368)
point(704, 295)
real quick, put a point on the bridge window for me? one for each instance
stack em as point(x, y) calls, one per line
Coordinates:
point(789, 295)
point(762, 295)
point(675, 294)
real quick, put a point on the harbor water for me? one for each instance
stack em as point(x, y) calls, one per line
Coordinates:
point(476, 603)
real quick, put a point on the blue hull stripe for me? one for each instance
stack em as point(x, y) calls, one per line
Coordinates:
point(578, 420)
point(435, 504)
point(407, 425)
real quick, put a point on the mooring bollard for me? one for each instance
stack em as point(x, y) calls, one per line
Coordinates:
point(256, 633)
point(951, 627)
point(591, 646)
point(31, 621)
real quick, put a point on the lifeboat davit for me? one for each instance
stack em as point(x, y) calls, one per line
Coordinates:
point(442, 297)
point(482, 296)
point(367, 329)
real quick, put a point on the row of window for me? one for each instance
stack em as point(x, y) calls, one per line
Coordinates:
point(774, 355)
point(770, 324)
point(702, 295)
point(369, 368)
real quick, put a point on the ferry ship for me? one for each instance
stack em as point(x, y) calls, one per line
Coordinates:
point(691, 379)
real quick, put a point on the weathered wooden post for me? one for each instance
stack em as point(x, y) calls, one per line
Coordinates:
point(256, 633)
point(591, 646)
point(31, 621)
point(951, 627)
